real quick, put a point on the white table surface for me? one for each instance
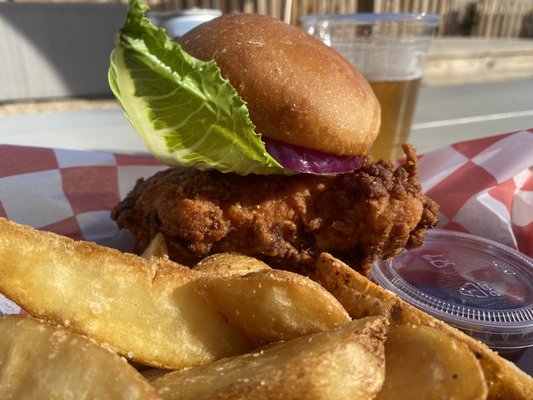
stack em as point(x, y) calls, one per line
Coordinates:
point(444, 115)
point(450, 114)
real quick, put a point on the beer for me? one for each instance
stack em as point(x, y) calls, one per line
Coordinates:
point(390, 50)
point(398, 102)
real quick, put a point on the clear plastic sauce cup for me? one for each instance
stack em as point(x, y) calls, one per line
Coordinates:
point(474, 284)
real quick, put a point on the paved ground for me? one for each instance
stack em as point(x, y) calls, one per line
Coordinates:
point(447, 114)
point(444, 115)
point(54, 105)
point(451, 61)
point(450, 110)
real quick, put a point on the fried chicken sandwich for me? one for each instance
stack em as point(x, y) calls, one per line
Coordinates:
point(267, 133)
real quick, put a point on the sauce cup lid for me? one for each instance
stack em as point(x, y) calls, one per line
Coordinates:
point(477, 285)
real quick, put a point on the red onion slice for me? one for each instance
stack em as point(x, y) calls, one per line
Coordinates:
point(310, 161)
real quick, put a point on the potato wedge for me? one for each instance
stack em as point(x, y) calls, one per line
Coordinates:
point(224, 264)
point(346, 363)
point(146, 310)
point(271, 305)
point(425, 363)
point(361, 298)
point(157, 247)
point(41, 361)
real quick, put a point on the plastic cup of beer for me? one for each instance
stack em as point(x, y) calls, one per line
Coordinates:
point(390, 50)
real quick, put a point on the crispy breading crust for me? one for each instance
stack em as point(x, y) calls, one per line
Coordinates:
point(286, 221)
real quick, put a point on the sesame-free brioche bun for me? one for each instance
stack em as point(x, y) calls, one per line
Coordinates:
point(297, 89)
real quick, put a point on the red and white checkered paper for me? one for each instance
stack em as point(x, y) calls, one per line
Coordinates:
point(484, 187)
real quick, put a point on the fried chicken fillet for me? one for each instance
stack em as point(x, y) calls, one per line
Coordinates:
point(287, 221)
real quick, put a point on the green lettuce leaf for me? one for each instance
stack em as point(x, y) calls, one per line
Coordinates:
point(185, 112)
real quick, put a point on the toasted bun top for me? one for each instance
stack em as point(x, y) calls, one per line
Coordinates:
point(298, 90)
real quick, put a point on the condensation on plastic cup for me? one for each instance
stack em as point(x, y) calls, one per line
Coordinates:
point(474, 284)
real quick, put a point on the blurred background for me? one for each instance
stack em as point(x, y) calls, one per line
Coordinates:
point(55, 56)
point(60, 49)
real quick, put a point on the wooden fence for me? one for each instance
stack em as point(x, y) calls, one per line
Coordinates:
point(39, 69)
point(484, 18)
